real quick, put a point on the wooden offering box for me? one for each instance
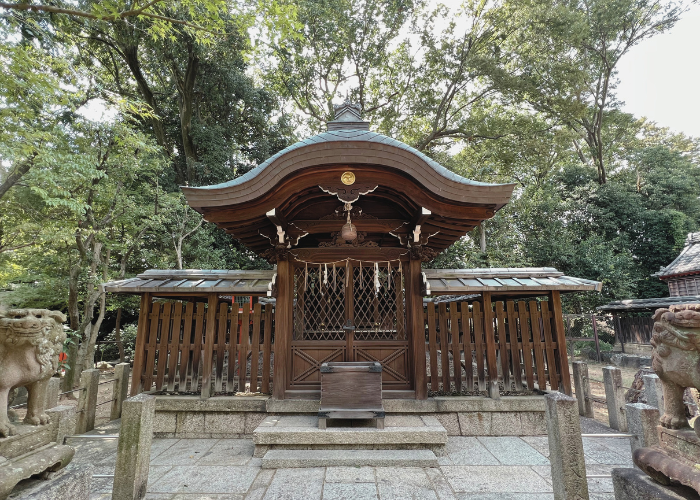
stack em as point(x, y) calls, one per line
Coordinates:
point(351, 390)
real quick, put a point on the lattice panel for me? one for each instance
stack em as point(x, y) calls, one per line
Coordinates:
point(379, 313)
point(319, 313)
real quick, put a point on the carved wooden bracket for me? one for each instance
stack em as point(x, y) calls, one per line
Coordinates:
point(348, 194)
point(424, 254)
point(276, 254)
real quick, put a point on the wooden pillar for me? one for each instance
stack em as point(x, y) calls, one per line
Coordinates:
point(560, 335)
point(490, 334)
point(207, 363)
point(414, 315)
point(140, 348)
point(283, 326)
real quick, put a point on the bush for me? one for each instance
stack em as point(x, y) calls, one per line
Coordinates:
point(109, 352)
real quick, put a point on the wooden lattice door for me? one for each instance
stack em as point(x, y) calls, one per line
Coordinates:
point(372, 299)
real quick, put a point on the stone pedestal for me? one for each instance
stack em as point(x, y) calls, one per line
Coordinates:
point(654, 391)
point(565, 447)
point(642, 421)
point(675, 461)
point(633, 484)
point(134, 449)
point(615, 398)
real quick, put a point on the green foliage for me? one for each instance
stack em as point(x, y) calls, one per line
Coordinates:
point(110, 351)
point(497, 91)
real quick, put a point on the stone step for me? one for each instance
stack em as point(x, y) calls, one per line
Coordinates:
point(279, 459)
point(278, 431)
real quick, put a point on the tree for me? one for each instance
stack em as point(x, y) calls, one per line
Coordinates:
point(569, 55)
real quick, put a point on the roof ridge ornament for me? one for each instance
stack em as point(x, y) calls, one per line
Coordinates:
point(348, 116)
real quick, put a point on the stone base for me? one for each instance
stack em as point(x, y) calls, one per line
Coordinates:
point(280, 459)
point(72, 483)
point(680, 443)
point(27, 438)
point(39, 462)
point(676, 461)
point(281, 440)
point(238, 416)
point(632, 484)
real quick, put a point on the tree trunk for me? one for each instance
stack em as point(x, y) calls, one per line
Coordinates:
point(16, 174)
point(118, 336)
point(186, 89)
point(132, 60)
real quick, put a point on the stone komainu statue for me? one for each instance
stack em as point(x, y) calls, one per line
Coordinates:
point(676, 358)
point(30, 342)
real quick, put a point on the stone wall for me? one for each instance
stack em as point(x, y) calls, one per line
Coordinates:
point(235, 417)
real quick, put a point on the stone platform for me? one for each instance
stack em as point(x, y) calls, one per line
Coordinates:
point(406, 440)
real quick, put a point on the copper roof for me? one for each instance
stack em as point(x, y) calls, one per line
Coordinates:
point(688, 262)
point(190, 281)
point(505, 281)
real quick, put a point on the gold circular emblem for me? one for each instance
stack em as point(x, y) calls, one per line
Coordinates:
point(348, 178)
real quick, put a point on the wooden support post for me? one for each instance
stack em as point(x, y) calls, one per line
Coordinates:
point(207, 363)
point(140, 348)
point(283, 326)
point(560, 336)
point(490, 334)
point(414, 309)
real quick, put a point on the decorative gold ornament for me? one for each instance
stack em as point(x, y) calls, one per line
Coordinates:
point(348, 178)
point(348, 232)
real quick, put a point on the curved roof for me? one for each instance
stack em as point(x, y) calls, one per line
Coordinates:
point(349, 146)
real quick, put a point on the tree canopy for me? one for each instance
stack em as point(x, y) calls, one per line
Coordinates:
point(200, 91)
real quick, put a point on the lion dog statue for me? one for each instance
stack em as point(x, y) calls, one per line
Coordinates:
point(676, 359)
point(30, 342)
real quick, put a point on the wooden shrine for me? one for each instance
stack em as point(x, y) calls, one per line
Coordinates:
point(348, 217)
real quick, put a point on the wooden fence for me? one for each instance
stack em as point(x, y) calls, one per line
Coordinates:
point(523, 344)
point(187, 348)
point(178, 351)
point(634, 330)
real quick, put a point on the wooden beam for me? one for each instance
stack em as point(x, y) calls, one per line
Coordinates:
point(560, 335)
point(140, 348)
point(490, 334)
point(213, 303)
point(416, 327)
point(330, 226)
point(283, 326)
point(337, 254)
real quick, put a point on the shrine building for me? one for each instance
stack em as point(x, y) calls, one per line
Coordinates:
point(347, 218)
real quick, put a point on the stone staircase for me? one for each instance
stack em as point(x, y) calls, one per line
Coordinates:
point(296, 441)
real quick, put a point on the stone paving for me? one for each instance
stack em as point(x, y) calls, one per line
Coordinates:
point(478, 468)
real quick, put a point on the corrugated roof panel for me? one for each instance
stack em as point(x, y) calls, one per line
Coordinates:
point(189, 283)
point(489, 282)
point(207, 283)
point(172, 283)
point(528, 282)
point(471, 282)
point(509, 282)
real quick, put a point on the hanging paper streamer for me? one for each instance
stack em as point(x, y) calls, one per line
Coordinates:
point(376, 278)
point(334, 276)
point(306, 278)
point(325, 275)
point(320, 279)
point(388, 275)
